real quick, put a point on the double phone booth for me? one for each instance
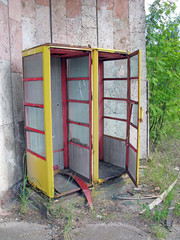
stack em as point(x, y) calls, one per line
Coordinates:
point(82, 115)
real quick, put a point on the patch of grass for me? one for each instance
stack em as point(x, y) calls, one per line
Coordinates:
point(158, 231)
point(160, 168)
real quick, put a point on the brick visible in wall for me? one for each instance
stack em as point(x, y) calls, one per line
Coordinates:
point(43, 2)
point(73, 8)
point(121, 9)
point(4, 36)
point(109, 4)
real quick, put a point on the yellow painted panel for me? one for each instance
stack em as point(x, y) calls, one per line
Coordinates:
point(95, 118)
point(111, 50)
point(37, 172)
point(71, 47)
point(48, 121)
point(139, 100)
point(32, 51)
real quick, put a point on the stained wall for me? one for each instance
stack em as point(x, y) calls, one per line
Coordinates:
point(118, 24)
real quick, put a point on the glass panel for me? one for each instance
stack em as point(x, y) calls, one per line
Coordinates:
point(134, 66)
point(33, 92)
point(79, 134)
point(117, 109)
point(36, 142)
point(35, 117)
point(115, 69)
point(78, 67)
point(78, 90)
point(33, 66)
point(115, 128)
point(133, 137)
point(134, 114)
point(115, 89)
point(78, 112)
point(134, 90)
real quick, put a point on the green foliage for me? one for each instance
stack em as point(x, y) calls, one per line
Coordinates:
point(163, 68)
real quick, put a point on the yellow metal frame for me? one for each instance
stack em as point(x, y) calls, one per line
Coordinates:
point(40, 172)
point(95, 116)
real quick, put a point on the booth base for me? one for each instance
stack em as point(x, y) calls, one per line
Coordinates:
point(108, 171)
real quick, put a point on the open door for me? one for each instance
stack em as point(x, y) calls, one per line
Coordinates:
point(78, 82)
point(133, 117)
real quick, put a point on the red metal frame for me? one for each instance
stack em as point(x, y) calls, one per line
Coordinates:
point(90, 118)
point(77, 79)
point(131, 124)
point(77, 101)
point(37, 155)
point(32, 79)
point(117, 119)
point(112, 79)
point(59, 150)
point(34, 105)
point(101, 110)
point(133, 147)
point(79, 145)
point(77, 123)
point(128, 114)
point(34, 130)
point(115, 99)
point(64, 106)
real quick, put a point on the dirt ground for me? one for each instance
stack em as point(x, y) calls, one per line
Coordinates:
point(71, 218)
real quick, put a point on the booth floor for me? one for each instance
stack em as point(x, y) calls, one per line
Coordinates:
point(64, 183)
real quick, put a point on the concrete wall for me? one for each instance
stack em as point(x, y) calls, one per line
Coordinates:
point(118, 24)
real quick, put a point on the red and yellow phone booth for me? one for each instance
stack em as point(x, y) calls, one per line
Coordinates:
point(82, 115)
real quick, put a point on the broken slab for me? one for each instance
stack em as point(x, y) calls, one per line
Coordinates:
point(113, 231)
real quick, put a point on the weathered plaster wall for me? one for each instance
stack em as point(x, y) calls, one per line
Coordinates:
point(137, 41)
point(118, 24)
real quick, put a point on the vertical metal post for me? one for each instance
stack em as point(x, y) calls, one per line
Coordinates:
point(95, 118)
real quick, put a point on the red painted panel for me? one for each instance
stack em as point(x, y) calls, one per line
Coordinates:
point(84, 188)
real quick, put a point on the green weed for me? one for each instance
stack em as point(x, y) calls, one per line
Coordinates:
point(24, 194)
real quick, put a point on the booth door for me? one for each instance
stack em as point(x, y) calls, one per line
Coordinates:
point(79, 114)
point(133, 118)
